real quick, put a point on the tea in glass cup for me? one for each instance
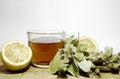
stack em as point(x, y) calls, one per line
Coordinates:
point(44, 45)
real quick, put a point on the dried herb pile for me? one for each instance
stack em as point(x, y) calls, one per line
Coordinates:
point(75, 60)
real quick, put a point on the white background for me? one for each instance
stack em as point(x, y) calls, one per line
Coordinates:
point(99, 19)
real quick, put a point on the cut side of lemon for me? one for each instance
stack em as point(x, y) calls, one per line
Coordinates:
point(92, 46)
point(16, 55)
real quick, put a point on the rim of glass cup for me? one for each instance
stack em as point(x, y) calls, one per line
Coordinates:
point(47, 31)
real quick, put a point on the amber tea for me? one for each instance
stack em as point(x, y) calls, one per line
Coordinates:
point(44, 49)
point(44, 44)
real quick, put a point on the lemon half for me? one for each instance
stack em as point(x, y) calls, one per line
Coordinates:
point(92, 46)
point(16, 55)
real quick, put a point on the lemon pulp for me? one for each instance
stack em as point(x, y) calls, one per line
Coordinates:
point(16, 55)
point(91, 44)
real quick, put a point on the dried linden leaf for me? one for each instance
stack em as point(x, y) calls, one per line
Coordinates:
point(73, 69)
point(85, 65)
point(55, 63)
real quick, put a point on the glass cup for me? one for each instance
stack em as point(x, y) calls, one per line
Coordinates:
point(44, 45)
